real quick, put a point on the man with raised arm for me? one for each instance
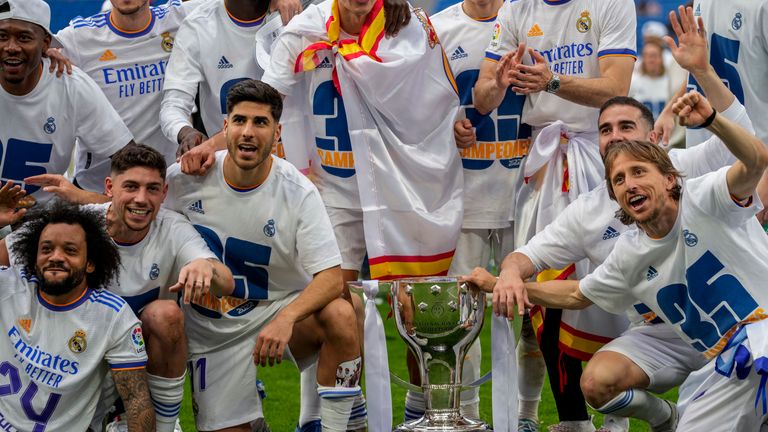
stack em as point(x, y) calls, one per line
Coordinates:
point(647, 356)
point(568, 58)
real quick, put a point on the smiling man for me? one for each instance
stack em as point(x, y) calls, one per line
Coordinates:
point(646, 358)
point(65, 331)
point(160, 253)
point(268, 222)
point(41, 116)
point(688, 265)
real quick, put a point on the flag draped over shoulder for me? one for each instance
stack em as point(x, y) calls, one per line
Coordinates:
point(401, 101)
point(573, 166)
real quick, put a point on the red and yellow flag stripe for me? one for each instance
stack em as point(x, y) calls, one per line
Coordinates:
point(403, 266)
point(367, 42)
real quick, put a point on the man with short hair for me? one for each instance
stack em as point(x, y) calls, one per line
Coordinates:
point(687, 263)
point(41, 116)
point(161, 253)
point(286, 265)
point(568, 58)
point(647, 357)
point(65, 330)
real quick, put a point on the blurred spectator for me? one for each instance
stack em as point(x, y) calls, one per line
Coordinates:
point(649, 8)
point(657, 76)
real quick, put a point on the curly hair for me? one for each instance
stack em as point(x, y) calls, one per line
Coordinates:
point(100, 249)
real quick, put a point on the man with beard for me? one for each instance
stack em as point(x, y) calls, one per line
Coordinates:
point(268, 221)
point(160, 251)
point(42, 116)
point(65, 259)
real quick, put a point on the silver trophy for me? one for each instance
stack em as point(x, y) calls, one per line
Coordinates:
point(439, 318)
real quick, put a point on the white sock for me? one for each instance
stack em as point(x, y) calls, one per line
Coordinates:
point(358, 418)
point(640, 404)
point(530, 373)
point(415, 405)
point(336, 406)
point(166, 394)
point(309, 411)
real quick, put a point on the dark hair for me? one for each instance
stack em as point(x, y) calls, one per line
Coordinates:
point(100, 249)
point(255, 91)
point(138, 155)
point(645, 113)
point(643, 151)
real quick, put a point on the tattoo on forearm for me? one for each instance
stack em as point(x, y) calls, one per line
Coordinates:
point(134, 390)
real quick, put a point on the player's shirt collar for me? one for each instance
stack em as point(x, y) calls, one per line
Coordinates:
point(556, 2)
point(131, 34)
point(66, 307)
point(240, 23)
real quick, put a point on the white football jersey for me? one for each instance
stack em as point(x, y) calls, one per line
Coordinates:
point(653, 92)
point(55, 358)
point(212, 50)
point(705, 277)
point(572, 36)
point(588, 228)
point(492, 171)
point(273, 237)
point(149, 267)
point(332, 163)
point(738, 51)
point(38, 131)
point(129, 67)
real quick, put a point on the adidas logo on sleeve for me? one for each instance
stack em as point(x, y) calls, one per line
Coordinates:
point(610, 233)
point(652, 273)
point(196, 207)
point(224, 63)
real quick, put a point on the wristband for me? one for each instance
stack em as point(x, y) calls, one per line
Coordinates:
point(708, 121)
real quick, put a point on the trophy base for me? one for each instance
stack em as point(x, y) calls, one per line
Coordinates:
point(453, 424)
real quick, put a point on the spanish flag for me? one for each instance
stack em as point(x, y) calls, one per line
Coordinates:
point(401, 101)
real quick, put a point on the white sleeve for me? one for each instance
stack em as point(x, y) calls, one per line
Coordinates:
point(280, 71)
point(100, 129)
point(710, 194)
point(503, 38)
point(184, 71)
point(606, 286)
point(315, 241)
point(617, 36)
point(712, 154)
point(68, 45)
point(170, 202)
point(188, 245)
point(560, 243)
point(127, 349)
point(175, 111)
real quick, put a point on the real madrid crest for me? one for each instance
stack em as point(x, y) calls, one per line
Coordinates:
point(427, 25)
point(167, 42)
point(269, 228)
point(50, 125)
point(584, 23)
point(77, 343)
point(737, 21)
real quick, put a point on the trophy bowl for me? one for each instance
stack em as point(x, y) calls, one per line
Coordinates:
point(439, 318)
